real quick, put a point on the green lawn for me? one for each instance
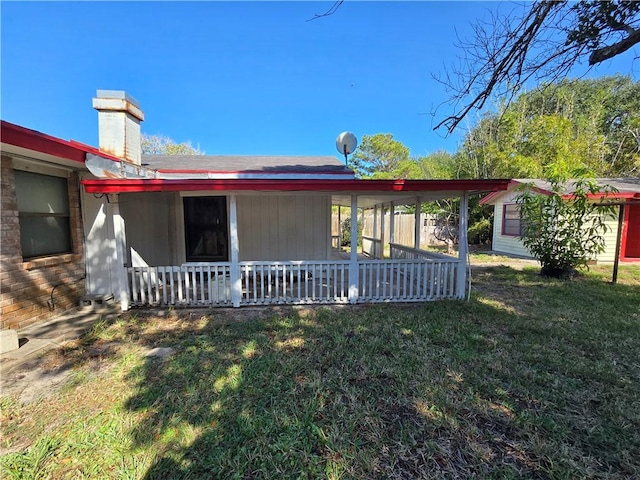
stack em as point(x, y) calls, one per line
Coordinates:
point(532, 378)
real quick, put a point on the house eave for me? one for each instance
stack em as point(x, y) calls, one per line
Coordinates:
point(389, 189)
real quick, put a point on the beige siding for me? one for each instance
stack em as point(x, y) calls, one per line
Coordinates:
point(608, 256)
point(505, 243)
point(100, 245)
point(150, 226)
point(514, 246)
point(284, 227)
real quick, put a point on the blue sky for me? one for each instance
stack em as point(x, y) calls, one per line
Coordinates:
point(240, 77)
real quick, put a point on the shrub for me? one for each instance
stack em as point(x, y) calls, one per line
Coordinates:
point(346, 232)
point(481, 232)
point(564, 231)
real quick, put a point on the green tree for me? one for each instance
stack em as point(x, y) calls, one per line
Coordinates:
point(589, 124)
point(162, 145)
point(379, 156)
point(564, 231)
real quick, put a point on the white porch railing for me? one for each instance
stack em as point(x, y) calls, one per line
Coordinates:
point(203, 284)
point(294, 282)
point(402, 252)
point(406, 280)
point(372, 247)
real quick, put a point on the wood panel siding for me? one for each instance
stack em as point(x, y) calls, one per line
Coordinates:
point(506, 243)
point(150, 226)
point(284, 227)
point(512, 245)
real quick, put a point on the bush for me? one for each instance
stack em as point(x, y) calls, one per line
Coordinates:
point(481, 232)
point(346, 232)
point(564, 231)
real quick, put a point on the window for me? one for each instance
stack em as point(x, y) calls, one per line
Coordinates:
point(511, 224)
point(205, 225)
point(43, 207)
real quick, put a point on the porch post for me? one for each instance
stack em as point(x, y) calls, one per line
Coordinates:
point(121, 240)
point(353, 264)
point(416, 242)
point(339, 228)
point(375, 230)
point(382, 232)
point(234, 274)
point(392, 228)
point(461, 278)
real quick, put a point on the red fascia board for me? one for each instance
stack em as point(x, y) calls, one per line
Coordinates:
point(33, 140)
point(355, 185)
point(490, 197)
point(94, 150)
point(512, 184)
point(611, 195)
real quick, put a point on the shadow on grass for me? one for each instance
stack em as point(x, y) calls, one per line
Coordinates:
point(488, 388)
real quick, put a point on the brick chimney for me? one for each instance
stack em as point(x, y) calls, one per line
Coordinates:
point(119, 118)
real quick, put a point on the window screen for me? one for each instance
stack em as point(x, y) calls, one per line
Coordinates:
point(43, 206)
point(511, 224)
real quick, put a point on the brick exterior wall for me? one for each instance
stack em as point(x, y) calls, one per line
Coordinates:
point(38, 289)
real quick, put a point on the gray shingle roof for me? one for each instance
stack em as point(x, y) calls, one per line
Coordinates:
point(623, 185)
point(246, 163)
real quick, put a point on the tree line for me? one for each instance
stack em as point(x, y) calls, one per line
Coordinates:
point(573, 124)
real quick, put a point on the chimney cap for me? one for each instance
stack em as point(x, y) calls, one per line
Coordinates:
point(118, 94)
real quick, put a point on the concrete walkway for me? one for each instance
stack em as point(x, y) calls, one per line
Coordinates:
point(41, 337)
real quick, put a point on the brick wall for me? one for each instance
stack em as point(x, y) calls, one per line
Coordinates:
point(38, 289)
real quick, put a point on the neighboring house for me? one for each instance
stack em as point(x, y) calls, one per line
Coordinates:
point(507, 225)
point(198, 230)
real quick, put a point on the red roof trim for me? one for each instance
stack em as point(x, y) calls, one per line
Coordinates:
point(492, 195)
point(94, 150)
point(354, 185)
point(598, 196)
point(33, 140)
point(610, 195)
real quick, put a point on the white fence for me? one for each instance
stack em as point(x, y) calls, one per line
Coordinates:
point(411, 276)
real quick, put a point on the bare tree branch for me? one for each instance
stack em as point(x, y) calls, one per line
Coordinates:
point(542, 42)
point(610, 51)
point(331, 11)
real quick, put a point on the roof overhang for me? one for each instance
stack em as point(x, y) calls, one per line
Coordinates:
point(28, 143)
point(108, 168)
point(31, 144)
point(629, 193)
point(369, 192)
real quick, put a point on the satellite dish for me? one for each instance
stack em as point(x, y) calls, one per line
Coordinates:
point(346, 143)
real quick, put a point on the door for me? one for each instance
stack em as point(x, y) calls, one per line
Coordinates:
point(206, 230)
point(632, 223)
